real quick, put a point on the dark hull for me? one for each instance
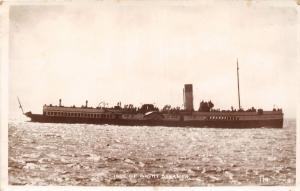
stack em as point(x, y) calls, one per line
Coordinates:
point(274, 123)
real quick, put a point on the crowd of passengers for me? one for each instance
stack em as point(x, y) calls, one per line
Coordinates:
point(204, 107)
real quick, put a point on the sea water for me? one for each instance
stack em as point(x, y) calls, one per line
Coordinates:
point(108, 155)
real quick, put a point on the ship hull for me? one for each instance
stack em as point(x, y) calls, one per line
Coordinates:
point(270, 123)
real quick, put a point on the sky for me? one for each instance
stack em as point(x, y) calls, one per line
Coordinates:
point(137, 52)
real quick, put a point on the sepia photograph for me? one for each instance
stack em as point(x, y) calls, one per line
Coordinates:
point(152, 93)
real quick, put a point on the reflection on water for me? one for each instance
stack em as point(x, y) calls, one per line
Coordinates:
point(94, 155)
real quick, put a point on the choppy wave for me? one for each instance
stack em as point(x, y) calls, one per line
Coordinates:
point(94, 155)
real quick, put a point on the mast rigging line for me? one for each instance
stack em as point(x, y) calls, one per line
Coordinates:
point(238, 82)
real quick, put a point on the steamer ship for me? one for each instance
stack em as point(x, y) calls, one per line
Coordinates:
point(149, 115)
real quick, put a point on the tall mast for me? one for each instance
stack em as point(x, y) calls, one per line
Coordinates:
point(238, 81)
